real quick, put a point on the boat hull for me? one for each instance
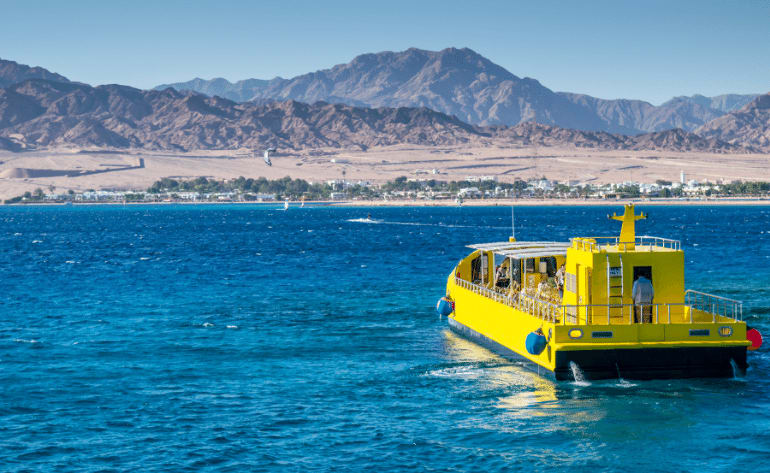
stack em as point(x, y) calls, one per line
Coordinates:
point(626, 363)
point(474, 336)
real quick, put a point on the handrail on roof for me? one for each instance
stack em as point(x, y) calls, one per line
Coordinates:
point(606, 242)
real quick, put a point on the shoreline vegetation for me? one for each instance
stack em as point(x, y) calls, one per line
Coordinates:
point(411, 192)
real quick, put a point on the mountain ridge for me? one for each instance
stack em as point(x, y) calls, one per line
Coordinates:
point(42, 113)
point(11, 72)
point(463, 83)
point(749, 125)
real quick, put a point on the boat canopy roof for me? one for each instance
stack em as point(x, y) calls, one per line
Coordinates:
point(534, 252)
point(524, 249)
point(518, 245)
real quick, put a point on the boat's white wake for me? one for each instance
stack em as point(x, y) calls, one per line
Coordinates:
point(577, 375)
point(365, 220)
point(461, 372)
point(420, 224)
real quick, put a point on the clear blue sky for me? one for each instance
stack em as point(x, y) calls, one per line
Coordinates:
point(650, 50)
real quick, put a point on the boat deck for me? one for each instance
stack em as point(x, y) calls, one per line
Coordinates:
point(699, 307)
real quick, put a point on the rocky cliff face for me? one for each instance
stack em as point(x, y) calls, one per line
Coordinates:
point(749, 125)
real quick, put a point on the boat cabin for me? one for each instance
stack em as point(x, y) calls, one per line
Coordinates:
point(591, 280)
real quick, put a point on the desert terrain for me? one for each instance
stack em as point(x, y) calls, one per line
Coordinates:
point(80, 170)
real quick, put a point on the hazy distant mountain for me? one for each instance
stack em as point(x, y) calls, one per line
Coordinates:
point(635, 116)
point(463, 83)
point(722, 103)
point(241, 91)
point(670, 140)
point(678, 113)
point(41, 113)
point(12, 73)
point(749, 125)
point(621, 115)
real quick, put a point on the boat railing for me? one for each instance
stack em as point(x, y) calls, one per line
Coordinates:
point(598, 243)
point(699, 307)
point(715, 305)
point(614, 314)
point(531, 305)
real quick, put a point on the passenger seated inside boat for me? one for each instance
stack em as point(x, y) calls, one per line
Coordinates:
point(502, 279)
point(560, 281)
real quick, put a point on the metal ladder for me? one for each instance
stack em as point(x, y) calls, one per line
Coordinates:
point(614, 288)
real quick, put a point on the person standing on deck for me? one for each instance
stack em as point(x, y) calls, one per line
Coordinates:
point(642, 294)
point(560, 280)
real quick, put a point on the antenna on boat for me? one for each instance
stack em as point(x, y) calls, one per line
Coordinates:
point(513, 225)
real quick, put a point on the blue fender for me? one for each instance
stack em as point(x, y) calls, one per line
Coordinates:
point(444, 307)
point(535, 342)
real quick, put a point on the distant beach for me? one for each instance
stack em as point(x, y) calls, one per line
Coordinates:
point(547, 202)
point(443, 203)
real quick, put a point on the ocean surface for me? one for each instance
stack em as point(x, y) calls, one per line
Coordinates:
point(245, 338)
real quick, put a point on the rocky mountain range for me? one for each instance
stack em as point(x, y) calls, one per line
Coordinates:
point(724, 103)
point(39, 108)
point(44, 113)
point(463, 83)
point(532, 133)
point(40, 113)
point(749, 125)
point(12, 72)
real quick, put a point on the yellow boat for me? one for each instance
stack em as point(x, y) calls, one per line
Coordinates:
point(512, 298)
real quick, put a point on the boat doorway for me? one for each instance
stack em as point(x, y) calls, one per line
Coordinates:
point(643, 313)
point(645, 271)
point(476, 270)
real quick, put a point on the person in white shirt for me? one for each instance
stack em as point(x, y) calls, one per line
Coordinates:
point(642, 293)
point(560, 280)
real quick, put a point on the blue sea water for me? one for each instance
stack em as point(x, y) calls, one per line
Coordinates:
point(244, 338)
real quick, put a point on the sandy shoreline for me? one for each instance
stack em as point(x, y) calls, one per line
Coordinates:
point(446, 203)
point(552, 203)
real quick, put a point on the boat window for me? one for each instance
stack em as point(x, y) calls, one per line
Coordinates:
point(484, 268)
point(516, 271)
point(551, 266)
point(530, 262)
point(502, 271)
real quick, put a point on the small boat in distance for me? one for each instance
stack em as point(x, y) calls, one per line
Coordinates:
point(368, 219)
point(596, 308)
point(286, 204)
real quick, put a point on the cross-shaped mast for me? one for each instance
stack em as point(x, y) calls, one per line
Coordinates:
point(628, 229)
